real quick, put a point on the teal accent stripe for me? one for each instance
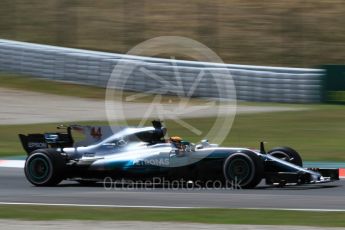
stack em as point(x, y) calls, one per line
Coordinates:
point(319, 164)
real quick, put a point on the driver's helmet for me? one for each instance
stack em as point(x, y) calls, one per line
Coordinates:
point(176, 140)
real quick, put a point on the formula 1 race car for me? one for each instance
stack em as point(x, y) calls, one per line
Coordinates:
point(144, 153)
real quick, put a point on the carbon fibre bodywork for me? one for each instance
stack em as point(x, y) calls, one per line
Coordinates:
point(144, 154)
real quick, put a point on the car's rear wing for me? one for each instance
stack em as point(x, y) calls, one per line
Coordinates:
point(92, 135)
point(36, 141)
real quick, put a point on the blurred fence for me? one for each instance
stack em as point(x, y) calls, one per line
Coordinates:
point(253, 83)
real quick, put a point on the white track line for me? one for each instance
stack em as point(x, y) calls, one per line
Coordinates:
point(170, 207)
point(12, 163)
point(97, 205)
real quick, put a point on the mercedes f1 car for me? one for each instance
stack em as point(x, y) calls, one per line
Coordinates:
point(144, 153)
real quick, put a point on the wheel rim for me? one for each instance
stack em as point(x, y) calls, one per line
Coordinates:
point(39, 169)
point(239, 170)
point(281, 155)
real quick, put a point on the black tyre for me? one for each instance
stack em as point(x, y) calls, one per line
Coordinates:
point(45, 168)
point(287, 154)
point(243, 170)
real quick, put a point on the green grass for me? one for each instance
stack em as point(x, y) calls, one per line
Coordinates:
point(317, 133)
point(209, 216)
point(45, 86)
point(21, 82)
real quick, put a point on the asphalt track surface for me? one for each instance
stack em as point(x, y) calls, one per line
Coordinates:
point(15, 189)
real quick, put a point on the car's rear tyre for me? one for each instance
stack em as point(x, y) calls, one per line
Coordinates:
point(287, 154)
point(45, 168)
point(243, 170)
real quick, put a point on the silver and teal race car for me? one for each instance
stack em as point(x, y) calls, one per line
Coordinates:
point(144, 153)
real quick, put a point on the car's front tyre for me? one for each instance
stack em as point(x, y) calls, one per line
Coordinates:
point(243, 170)
point(45, 168)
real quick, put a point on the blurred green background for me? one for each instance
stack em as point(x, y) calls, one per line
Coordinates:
point(269, 32)
point(315, 130)
point(277, 33)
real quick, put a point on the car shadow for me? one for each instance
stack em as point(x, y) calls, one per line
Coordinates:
point(297, 187)
point(261, 187)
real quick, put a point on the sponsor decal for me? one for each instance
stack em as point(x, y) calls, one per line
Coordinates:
point(157, 162)
point(37, 145)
